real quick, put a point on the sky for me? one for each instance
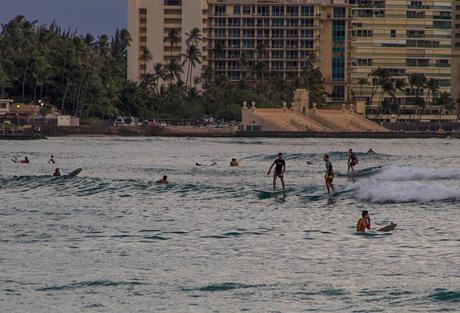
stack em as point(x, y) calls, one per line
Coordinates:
point(86, 16)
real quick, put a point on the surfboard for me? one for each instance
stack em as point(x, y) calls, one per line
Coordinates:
point(388, 227)
point(323, 194)
point(270, 193)
point(74, 173)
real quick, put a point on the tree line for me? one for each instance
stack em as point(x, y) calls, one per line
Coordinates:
point(87, 76)
point(423, 93)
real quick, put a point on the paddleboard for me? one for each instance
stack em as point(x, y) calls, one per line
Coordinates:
point(272, 192)
point(388, 227)
point(74, 173)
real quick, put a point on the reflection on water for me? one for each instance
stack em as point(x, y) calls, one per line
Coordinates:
point(111, 240)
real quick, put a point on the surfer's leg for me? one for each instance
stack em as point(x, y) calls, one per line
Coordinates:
point(274, 181)
point(282, 181)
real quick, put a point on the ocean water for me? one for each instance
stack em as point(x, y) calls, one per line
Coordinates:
point(111, 240)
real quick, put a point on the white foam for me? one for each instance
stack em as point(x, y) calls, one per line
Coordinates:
point(398, 192)
point(404, 173)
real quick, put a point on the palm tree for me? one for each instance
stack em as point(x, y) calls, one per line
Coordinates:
point(192, 54)
point(418, 81)
point(145, 57)
point(432, 86)
point(379, 77)
point(193, 38)
point(173, 38)
point(174, 71)
point(445, 102)
point(192, 57)
point(400, 85)
point(4, 80)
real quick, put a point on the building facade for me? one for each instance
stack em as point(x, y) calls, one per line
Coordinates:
point(348, 38)
point(149, 23)
point(404, 38)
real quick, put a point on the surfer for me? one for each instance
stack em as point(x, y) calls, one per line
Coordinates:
point(234, 162)
point(329, 177)
point(163, 181)
point(280, 168)
point(364, 222)
point(57, 172)
point(52, 160)
point(25, 161)
point(352, 160)
point(370, 151)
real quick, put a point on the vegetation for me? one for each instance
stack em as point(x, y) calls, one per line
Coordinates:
point(86, 76)
point(425, 93)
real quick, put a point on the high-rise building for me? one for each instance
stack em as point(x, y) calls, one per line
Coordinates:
point(349, 38)
point(150, 22)
point(402, 37)
point(283, 35)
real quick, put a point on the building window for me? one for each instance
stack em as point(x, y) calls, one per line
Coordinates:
point(418, 62)
point(292, 11)
point(263, 10)
point(220, 10)
point(339, 12)
point(307, 10)
point(246, 10)
point(236, 10)
point(393, 33)
point(172, 2)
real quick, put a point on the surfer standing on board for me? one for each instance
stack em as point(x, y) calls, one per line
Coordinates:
point(329, 177)
point(352, 160)
point(364, 222)
point(280, 168)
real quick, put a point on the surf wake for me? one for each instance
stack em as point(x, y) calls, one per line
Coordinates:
point(401, 192)
point(405, 173)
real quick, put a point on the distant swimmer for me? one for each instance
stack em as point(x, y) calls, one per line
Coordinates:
point(371, 151)
point(234, 162)
point(309, 163)
point(52, 160)
point(280, 169)
point(364, 222)
point(25, 161)
point(352, 160)
point(163, 181)
point(329, 177)
point(57, 172)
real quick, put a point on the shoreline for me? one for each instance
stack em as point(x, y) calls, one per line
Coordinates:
point(211, 133)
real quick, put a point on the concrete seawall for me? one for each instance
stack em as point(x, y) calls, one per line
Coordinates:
point(232, 132)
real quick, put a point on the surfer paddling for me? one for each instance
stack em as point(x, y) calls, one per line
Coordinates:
point(163, 181)
point(352, 160)
point(329, 177)
point(280, 168)
point(364, 222)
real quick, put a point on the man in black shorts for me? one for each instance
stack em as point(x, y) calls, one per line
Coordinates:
point(352, 160)
point(280, 168)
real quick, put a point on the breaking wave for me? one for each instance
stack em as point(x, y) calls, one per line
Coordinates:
point(400, 192)
point(404, 173)
point(402, 184)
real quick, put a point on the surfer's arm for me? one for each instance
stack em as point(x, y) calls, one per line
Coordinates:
point(369, 223)
point(270, 169)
